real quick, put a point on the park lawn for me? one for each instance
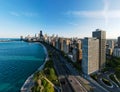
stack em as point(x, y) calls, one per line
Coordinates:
point(50, 72)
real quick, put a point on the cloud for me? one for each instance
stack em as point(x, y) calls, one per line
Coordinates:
point(73, 24)
point(26, 14)
point(113, 14)
point(96, 14)
point(14, 14)
point(89, 14)
point(105, 10)
point(105, 13)
point(106, 5)
point(29, 14)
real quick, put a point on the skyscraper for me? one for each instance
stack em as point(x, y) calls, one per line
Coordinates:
point(41, 36)
point(41, 33)
point(101, 35)
point(90, 60)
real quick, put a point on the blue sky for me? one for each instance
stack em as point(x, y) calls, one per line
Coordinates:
point(67, 18)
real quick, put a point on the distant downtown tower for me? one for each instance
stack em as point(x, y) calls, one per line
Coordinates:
point(101, 35)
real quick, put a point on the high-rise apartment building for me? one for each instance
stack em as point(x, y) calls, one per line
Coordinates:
point(90, 60)
point(101, 35)
point(110, 44)
point(118, 41)
point(116, 52)
point(66, 45)
point(79, 44)
point(60, 43)
point(109, 47)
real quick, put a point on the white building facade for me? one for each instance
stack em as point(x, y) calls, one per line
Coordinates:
point(90, 60)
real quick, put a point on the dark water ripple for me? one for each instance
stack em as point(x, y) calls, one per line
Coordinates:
point(18, 60)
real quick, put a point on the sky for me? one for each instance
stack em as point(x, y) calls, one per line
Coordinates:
point(66, 18)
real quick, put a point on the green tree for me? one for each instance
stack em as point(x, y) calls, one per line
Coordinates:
point(117, 72)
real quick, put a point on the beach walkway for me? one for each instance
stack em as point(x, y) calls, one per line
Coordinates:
point(29, 83)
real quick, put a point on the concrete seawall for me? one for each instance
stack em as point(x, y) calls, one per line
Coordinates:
point(29, 83)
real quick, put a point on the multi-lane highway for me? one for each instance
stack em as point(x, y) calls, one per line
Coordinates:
point(72, 76)
point(69, 82)
point(62, 73)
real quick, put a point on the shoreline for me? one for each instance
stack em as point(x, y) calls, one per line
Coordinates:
point(46, 58)
point(26, 87)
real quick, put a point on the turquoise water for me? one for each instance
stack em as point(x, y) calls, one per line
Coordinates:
point(18, 60)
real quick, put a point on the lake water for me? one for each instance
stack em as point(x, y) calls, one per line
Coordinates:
point(18, 60)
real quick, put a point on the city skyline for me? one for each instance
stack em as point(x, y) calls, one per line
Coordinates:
point(77, 18)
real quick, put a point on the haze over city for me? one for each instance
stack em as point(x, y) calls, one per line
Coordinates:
point(59, 46)
point(77, 18)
